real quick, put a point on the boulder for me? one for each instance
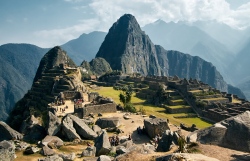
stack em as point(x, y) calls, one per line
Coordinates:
point(52, 158)
point(168, 139)
point(88, 120)
point(89, 151)
point(97, 129)
point(185, 156)
point(108, 122)
point(31, 150)
point(102, 144)
point(123, 139)
point(82, 129)
point(54, 124)
point(68, 129)
point(32, 129)
point(20, 145)
point(155, 126)
point(231, 133)
point(68, 157)
point(7, 133)
point(7, 151)
point(46, 151)
point(52, 142)
point(121, 150)
point(127, 144)
point(103, 158)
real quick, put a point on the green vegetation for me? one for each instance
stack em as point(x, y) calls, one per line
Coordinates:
point(181, 143)
point(154, 110)
point(178, 106)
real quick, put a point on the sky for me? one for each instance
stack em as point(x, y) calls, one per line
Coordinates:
point(47, 23)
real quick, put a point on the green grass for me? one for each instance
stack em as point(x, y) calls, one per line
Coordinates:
point(178, 106)
point(154, 110)
point(214, 99)
point(178, 100)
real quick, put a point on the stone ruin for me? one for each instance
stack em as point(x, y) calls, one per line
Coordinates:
point(155, 126)
point(98, 105)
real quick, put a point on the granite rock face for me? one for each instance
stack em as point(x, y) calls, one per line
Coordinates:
point(68, 129)
point(108, 122)
point(231, 133)
point(82, 129)
point(53, 141)
point(155, 126)
point(54, 124)
point(126, 47)
point(7, 133)
point(7, 151)
point(102, 144)
point(168, 139)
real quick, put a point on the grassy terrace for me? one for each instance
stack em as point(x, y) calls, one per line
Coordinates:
point(150, 109)
point(178, 106)
point(178, 100)
point(214, 99)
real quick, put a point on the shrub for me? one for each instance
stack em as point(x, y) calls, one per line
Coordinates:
point(129, 107)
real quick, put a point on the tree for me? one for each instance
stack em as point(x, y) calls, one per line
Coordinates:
point(125, 97)
point(181, 143)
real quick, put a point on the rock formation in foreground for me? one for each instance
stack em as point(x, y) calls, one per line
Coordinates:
point(233, 133)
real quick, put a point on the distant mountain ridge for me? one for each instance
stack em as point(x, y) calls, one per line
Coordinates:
point(18, 63)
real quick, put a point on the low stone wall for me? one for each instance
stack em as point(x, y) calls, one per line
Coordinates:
point(69, 95)
point(95, 109)
point(179, 110)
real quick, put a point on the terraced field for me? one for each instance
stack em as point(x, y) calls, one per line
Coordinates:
point(154, 110)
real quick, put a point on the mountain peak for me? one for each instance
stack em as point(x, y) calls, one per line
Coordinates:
point(54, 57)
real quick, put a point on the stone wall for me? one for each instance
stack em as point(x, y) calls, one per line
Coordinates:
point(69, 95)
point(95, 109)
point(179, 110)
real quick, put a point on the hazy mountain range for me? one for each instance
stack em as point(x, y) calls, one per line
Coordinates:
point(207, 40)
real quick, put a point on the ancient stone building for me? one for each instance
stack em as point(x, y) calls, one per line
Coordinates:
point(155, 126)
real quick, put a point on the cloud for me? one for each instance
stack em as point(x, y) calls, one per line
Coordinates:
point(49, 38)
point(147, 11)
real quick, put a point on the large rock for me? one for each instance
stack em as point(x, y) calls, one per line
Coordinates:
point(89, 152)
point(68, 129)
point(7, 151)
point(32, 129)
point(82, 129)
point(7, 133)
point(97, 129)
point(54, 124)
point(68, 157)
point(186, 156)
point(103, 158)
point(155, 126)
point(108, 122)
point(53, 141)
point(31, 150)
point(168, 139)
point(232, 133)
point(102, 144)
point(46, 151)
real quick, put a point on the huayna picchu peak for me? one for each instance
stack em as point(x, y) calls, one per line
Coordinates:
point(126, 47)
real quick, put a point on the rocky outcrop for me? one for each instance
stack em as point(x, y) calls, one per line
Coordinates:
point(52, 158)
point(7, 151)
point(31, 150)
point(126, 47)
point(96, 129)
point(54, 124)
point(7, 133)
point(46, 151)
point(103, 158)
point(109, 122)
point(97, 66)
point(168, 139)
point(82, 129)
point(68, 157)
point(89, 151)
point(52, 142)
point(231, 133)
point(102, 144)
point(68, 129)
point(155, 126)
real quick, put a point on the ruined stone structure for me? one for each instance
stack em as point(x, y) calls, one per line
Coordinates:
point(155, 126)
